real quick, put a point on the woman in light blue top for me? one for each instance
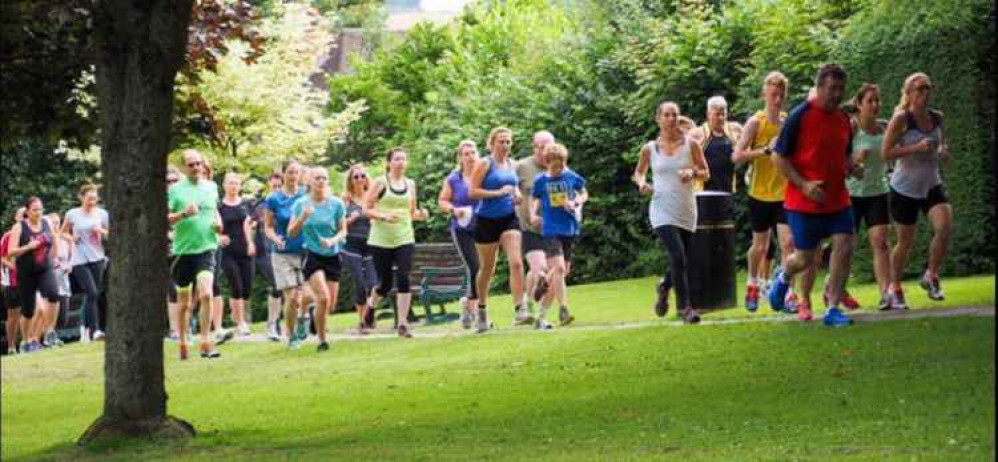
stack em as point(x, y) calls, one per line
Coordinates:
point(321, 218)
point(494, 182)
point(88, 225)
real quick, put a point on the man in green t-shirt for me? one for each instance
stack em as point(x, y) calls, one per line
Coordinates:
point(196, 224)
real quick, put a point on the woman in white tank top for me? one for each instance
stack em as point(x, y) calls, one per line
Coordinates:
point(675, 162)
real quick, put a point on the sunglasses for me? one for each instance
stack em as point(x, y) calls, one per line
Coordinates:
point(923, 88)
point(194, 164)
point(360, 176)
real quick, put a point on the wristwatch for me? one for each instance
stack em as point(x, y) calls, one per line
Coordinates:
point(768, 150)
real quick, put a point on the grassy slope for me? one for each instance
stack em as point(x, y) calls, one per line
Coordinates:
point(895, 390)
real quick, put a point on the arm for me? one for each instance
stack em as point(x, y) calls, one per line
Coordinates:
point(445, 197)
point(268, 228)
point(896, 128)
point(67, 228)
point(18, 250)
point(641, 171)
point(534, 206)
point(341, 234)
point(943, 149)
point(742, 153)
point(700, 168)
point(298, 218)
point(248, 232)
point(696, 135)
point(415, 212)
point(371, 202)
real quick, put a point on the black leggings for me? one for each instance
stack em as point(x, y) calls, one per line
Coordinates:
point(465, 242)
point(676, 241)
point(89, 277)
point(239, 273)
point(385, 259)
point(29, 284)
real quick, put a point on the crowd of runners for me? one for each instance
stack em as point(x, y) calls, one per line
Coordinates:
point(818, 173)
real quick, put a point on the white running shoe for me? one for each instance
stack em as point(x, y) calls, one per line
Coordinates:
point(244, 330)
point(523, 316)
point(272, 333)
point(542, 324)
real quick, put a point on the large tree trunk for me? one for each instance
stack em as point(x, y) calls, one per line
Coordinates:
point(140, 47)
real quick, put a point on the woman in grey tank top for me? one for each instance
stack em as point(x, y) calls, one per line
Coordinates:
point(675, 162)
point(914, 140)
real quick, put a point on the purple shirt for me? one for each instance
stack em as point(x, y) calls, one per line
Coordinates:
point(459, 197)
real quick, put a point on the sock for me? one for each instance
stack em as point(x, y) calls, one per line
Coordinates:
point(752, 281)
point(543, 313)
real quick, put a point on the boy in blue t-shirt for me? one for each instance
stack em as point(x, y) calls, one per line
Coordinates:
point(558, 198)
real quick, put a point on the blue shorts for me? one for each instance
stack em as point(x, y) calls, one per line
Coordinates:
point(809, 229)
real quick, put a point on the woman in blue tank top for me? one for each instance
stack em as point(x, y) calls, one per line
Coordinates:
point(494, 182)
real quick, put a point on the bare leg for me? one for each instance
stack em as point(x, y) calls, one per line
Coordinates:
point(291, 302)
point(757, 254)
point(839, 267)
point(537, 269)
point(322, 299)
point(510, 241)
point(217, 312)
point(941, 217)
point(881, 256)
point(203, 288)
point(13, 319)
point(487, 259)
point(902, 249)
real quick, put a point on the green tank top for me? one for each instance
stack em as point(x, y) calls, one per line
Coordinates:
point(874, 180)
point(392, 235)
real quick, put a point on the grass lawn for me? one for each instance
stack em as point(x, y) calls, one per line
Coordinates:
point(899, 390)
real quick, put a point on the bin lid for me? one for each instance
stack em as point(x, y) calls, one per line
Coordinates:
point(713, 193)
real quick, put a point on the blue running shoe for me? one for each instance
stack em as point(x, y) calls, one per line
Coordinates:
point(834, 317)
point(778, 292)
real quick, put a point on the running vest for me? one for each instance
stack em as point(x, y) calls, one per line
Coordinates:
point(672, 202)
point(915, 174)
point(494, 180)
point(874, 180)
point(766, 183)
point(37, 260)
point(717, 153)
point(392, 235)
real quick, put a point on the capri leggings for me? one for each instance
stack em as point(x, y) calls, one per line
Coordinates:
point(28, 284)
point(399, 259)
point(89, 277)
point(239, 272)
point(676, 241)
point(357, 259)
point(265, 267)
point(465, 242)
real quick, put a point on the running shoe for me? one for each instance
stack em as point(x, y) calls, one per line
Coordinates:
point(32, 347)
point(47, 340)
point(272, 333)
point(483, 323)
point(778, 293)
point(690, 316)
point(751, 298)
point(210, 354)
point(886, 301)
point(791, 303)
point(834, 317)
point(804, 312)
point(848, 301)
point(523, 316)
point(99, 335)
point(302, 332)
point(564, 316)
point(540, 289)
point(662, 303)
point(542, 324)
point(898, 301)
point(294, 344)
point(404, 332)
point(173, 337)
point(223, 335)
point(244, 329)
point(323, 346)
point(465, 313)
point(931, 286)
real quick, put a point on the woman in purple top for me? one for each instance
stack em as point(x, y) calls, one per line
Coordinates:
point(454, 200)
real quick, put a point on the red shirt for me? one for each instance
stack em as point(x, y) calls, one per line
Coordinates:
point(4, 249)
point(817, 142)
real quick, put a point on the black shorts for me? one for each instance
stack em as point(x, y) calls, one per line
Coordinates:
point(329, 265)
point(11, 299)
point(489, 230)
point(556, 246)
point(874, 210)
point(532, 242)
point(185, 268)
point(905, 209)
point(765, 215)
point(30, 284)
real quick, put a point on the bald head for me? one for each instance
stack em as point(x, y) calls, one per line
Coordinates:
point(193, 163)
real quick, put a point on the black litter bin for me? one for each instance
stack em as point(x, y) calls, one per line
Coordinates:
point(711, 256)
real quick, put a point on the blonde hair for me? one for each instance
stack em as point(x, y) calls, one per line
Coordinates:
point(556, 151)
point(686, 124)
point(460, 147)
point(776, 79)
point(348, 194)
point(232, 174)
point(907, 87)
point(496, 131)
point(209, 173)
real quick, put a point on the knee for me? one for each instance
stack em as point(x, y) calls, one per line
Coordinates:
point(516, 265)
point(559, 269)
point(879, 244)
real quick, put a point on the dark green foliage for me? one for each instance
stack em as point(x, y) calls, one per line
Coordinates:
point(34, 168)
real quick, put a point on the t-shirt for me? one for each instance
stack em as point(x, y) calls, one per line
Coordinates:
point(817, 142)
point(8, 276)
point(554, 192)
point(195, 234)
point(233, 217)
point(526, 170)
point(89, 243)
point(874, 180)
point(323, 223)
point(280, 204)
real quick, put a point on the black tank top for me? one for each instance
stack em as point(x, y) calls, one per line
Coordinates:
point(717, 153)
point(38, 259)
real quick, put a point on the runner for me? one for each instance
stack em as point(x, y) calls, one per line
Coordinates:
point(219, 334)
point(454, 201)
point(172, 177)
point(321, 218)
point(238, 250)
point(34, 248)
point(264, 250)
point(391, 204)
point(675, 162)
point(556, 208)
point(287, 256)
point(356, 256)
point(196, 224)
point(494, 183)
point(8, 284)
point(532, 241)
point(717, 138)
point(767, 186)
point(814, 154)
point(62, 265)
point(869, 192)
point(915, 140)
point(88, 226)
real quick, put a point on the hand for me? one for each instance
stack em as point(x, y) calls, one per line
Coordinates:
point(645, 188)
point(191, 210)
point(536, 221)
point(224, 240)
point(686, 174)
point(924, 145)
point(860, 156)
point(813, 190)
point(330, 242)
point(857, 170)
point(34, 244)
point(280, 243)
point(943, 153)
point(251, 250)
point(507, 190)
point(420, 215)
point(307, 212)
point(98, 229)
point(459, 212)
point(353, 216)
point(390, 217)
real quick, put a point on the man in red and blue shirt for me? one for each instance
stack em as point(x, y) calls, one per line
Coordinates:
point(813, 150)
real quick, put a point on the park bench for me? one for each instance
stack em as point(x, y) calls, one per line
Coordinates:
point(437, 277)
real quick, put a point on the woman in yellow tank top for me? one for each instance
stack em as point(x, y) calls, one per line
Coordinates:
point(766, 186)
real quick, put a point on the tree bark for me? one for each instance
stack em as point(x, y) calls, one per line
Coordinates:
point(140, 47)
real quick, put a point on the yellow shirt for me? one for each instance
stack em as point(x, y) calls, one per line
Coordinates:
point(767, 183)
